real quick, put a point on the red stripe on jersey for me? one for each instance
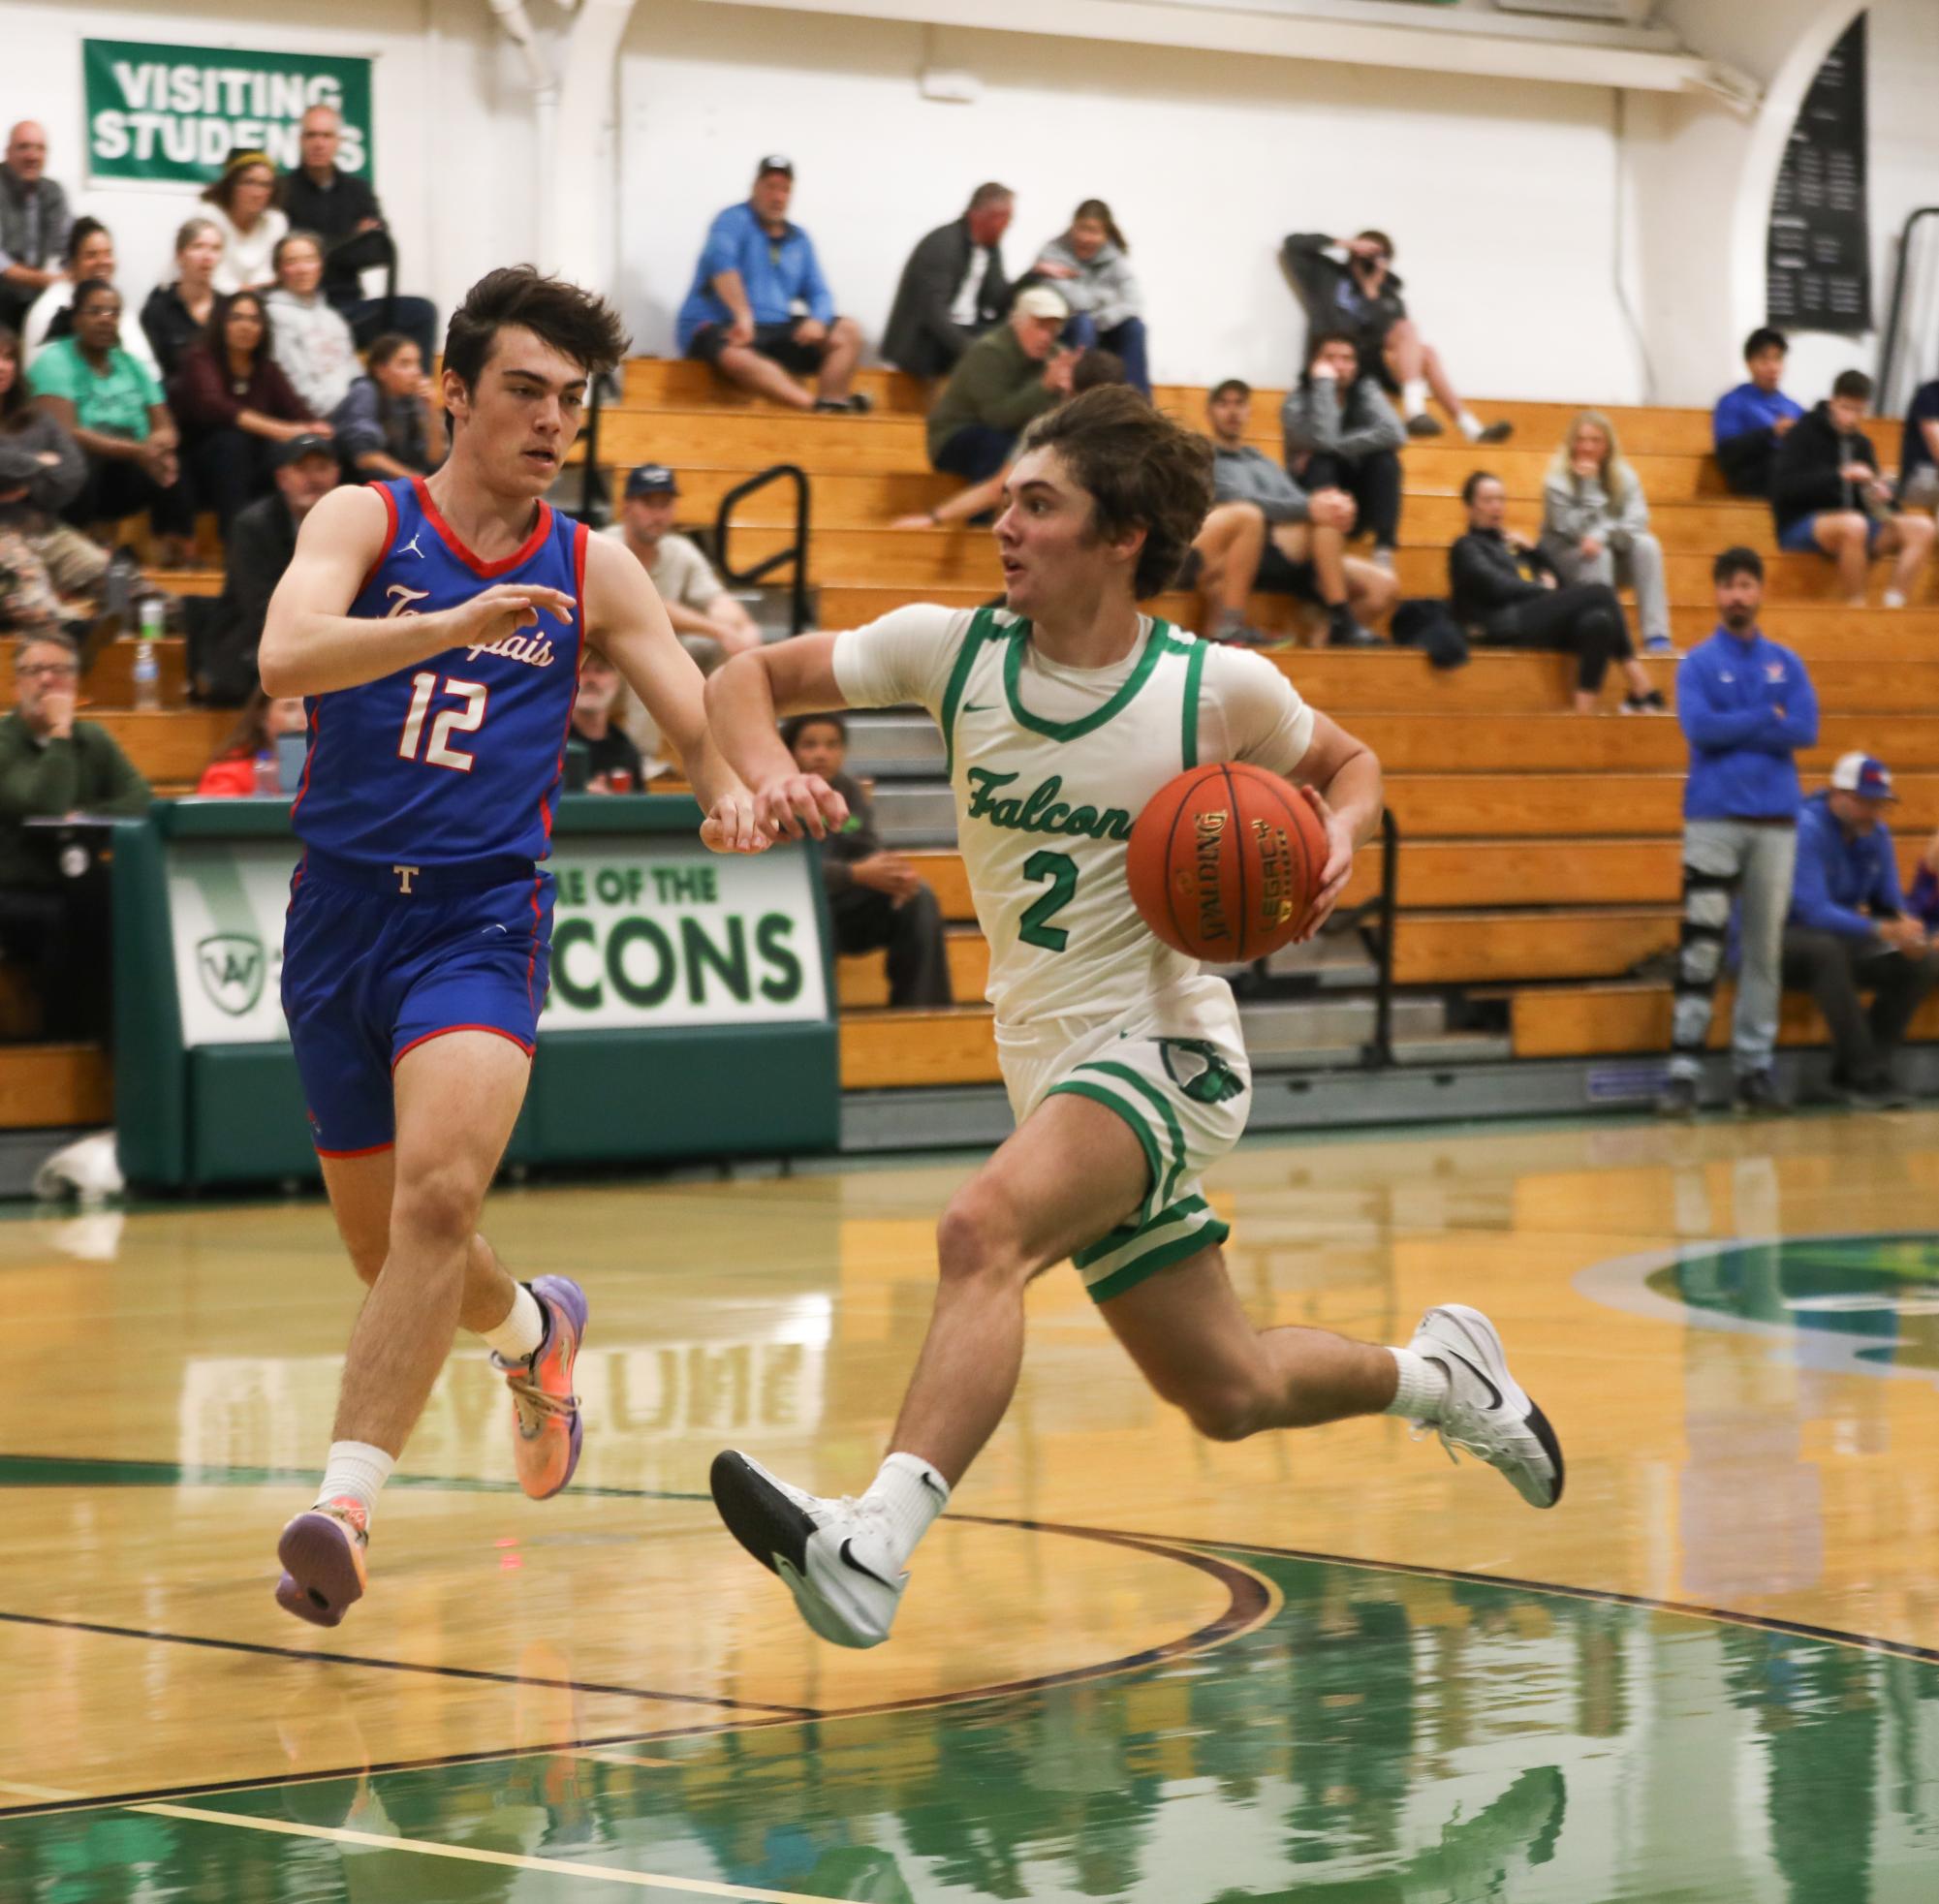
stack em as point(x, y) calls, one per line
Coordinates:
point(484, 571)
point(311, 753)
point(390, 536)
point(581, 537)
point(532, 963)
point(445, 1031)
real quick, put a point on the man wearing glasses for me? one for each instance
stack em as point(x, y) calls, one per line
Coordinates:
point(51, 766)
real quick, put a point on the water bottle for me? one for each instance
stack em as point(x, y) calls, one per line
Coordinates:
point(268, 776)
point(148, 668)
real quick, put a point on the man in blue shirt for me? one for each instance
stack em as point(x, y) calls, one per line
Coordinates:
point(1850, 927)
point(760, 310)
point(1750, 422)
point(1748, 706)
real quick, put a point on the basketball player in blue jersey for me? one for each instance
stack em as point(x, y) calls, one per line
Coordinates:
point(1062, 714)
point(435, 629)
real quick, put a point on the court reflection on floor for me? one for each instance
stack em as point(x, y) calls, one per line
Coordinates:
point(1382, 1738)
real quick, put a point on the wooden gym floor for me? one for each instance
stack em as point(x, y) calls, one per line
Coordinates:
point(1330, 1666)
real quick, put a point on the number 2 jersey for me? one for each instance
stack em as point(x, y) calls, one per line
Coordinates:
point(1050, 766)
point(457, 758)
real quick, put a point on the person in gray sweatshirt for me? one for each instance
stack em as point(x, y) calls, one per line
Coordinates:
point(1090, 265)
point(1265, 532)
point(1595, 524)
point(1342, 433)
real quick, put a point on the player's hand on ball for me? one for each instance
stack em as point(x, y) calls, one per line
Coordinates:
point(797, 804)
point(496, 612)
point(1336, 873)
point(732, 826)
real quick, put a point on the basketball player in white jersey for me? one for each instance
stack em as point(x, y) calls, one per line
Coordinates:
point(1062, 714)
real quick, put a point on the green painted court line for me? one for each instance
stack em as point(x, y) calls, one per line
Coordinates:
point(568, 1867)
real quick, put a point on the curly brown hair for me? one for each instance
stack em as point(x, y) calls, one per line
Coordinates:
point(575, 323)
point(1141, 471)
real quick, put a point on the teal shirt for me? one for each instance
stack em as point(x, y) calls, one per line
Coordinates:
point(116, 404)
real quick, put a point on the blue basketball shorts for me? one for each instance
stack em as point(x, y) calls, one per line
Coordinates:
point(370, 970)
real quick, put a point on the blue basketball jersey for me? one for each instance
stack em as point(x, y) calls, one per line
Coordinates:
point(460, 756)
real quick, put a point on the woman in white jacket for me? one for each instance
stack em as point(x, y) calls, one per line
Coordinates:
point(314, 346)
point(1595, 524)
point(1090, 268)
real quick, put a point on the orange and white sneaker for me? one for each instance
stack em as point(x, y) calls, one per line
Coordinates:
point(545, 1410)
point(322, 1551)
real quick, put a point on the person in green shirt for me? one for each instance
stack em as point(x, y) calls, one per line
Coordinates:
point(51, 764)
point(113, 408)
point(1005, 380)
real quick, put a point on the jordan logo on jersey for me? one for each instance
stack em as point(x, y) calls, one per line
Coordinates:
point(411, 548)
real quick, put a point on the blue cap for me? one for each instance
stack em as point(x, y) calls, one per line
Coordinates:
point(652, 479)
point(1860, 774)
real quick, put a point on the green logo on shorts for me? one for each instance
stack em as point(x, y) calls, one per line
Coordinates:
point(1199, 1069)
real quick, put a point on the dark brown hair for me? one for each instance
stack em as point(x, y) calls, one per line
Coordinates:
point(295, 235)
point(215, 333)
point(1379, 237)
point(382, 348)
point(1098, 209)
point(223, 191)
point(575, 323)
point(14, 404)
point(1142, 470)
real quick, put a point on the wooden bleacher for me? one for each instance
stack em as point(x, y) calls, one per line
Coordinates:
point(1539, 850)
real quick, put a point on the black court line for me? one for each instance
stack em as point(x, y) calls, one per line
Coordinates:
point(263, 1649)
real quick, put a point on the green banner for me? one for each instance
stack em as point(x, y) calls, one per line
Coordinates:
point(174, 114)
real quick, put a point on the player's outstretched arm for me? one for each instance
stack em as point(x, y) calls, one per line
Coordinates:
point(744, 703)
point(1341, 781)
point(628, 623)
point(311, 644)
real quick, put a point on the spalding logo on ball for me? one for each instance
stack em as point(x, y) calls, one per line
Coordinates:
point(1224, 862)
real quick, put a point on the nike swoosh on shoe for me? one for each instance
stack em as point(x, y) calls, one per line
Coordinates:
point(856, 1565)
point(1480, 1375)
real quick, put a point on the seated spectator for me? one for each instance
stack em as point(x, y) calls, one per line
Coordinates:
point(177, 314)
point(261, 541)
point(759, 308)
point(613, 766)
point(343, 210)
point(1827, 496)
point(1005, 380)
point(1497, 599)
point(1342, 433)
point(392, 422)
point(240, 207)
point(876, 899)
point(236, 406)
point(314, 348)
point(1919, 455)
point(90, 254)
point(1850, 927)
point(28, 604)
point(51, 766)
point(33, 221)
point(710, 623)
point(247, 763)
point(114, 410)
point(952, 288)
point(1088, 262)
point(76, 566)
point(1750, 422)
point(1348, 284)
point(1094, 369)
point(1265, 532)
point(1595, 524)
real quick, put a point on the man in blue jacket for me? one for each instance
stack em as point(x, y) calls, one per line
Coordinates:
point(759, 308)
point(1748, 706)
point(1850, 927)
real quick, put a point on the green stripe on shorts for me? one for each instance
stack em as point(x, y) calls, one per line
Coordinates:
point(1205, 1232)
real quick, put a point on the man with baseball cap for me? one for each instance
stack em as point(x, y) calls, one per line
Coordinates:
point(759, 308)
point(1850, 930)
point(709, 620)
point(1006, 379)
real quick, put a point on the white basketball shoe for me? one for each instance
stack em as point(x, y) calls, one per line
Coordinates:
point(834, 1555)
point(1486, 1412)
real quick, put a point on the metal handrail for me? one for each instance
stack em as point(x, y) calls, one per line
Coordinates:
point(1887, 361)
point(795, 552)
point(1380, 1050)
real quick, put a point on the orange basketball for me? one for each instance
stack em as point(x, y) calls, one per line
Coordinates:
point(1224, 861)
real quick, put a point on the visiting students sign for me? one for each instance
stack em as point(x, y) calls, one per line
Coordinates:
point(645, 934)
point(174, 114)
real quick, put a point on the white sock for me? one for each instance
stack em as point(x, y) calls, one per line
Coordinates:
point(1894, 598)
point(358, 1469)
point(1470, 426)
point(1422, 1387)
point(520, 1333)
point(1414, 397)
point(911, 1495)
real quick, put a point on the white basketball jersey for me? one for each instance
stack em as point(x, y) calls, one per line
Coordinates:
point(1047, 789)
